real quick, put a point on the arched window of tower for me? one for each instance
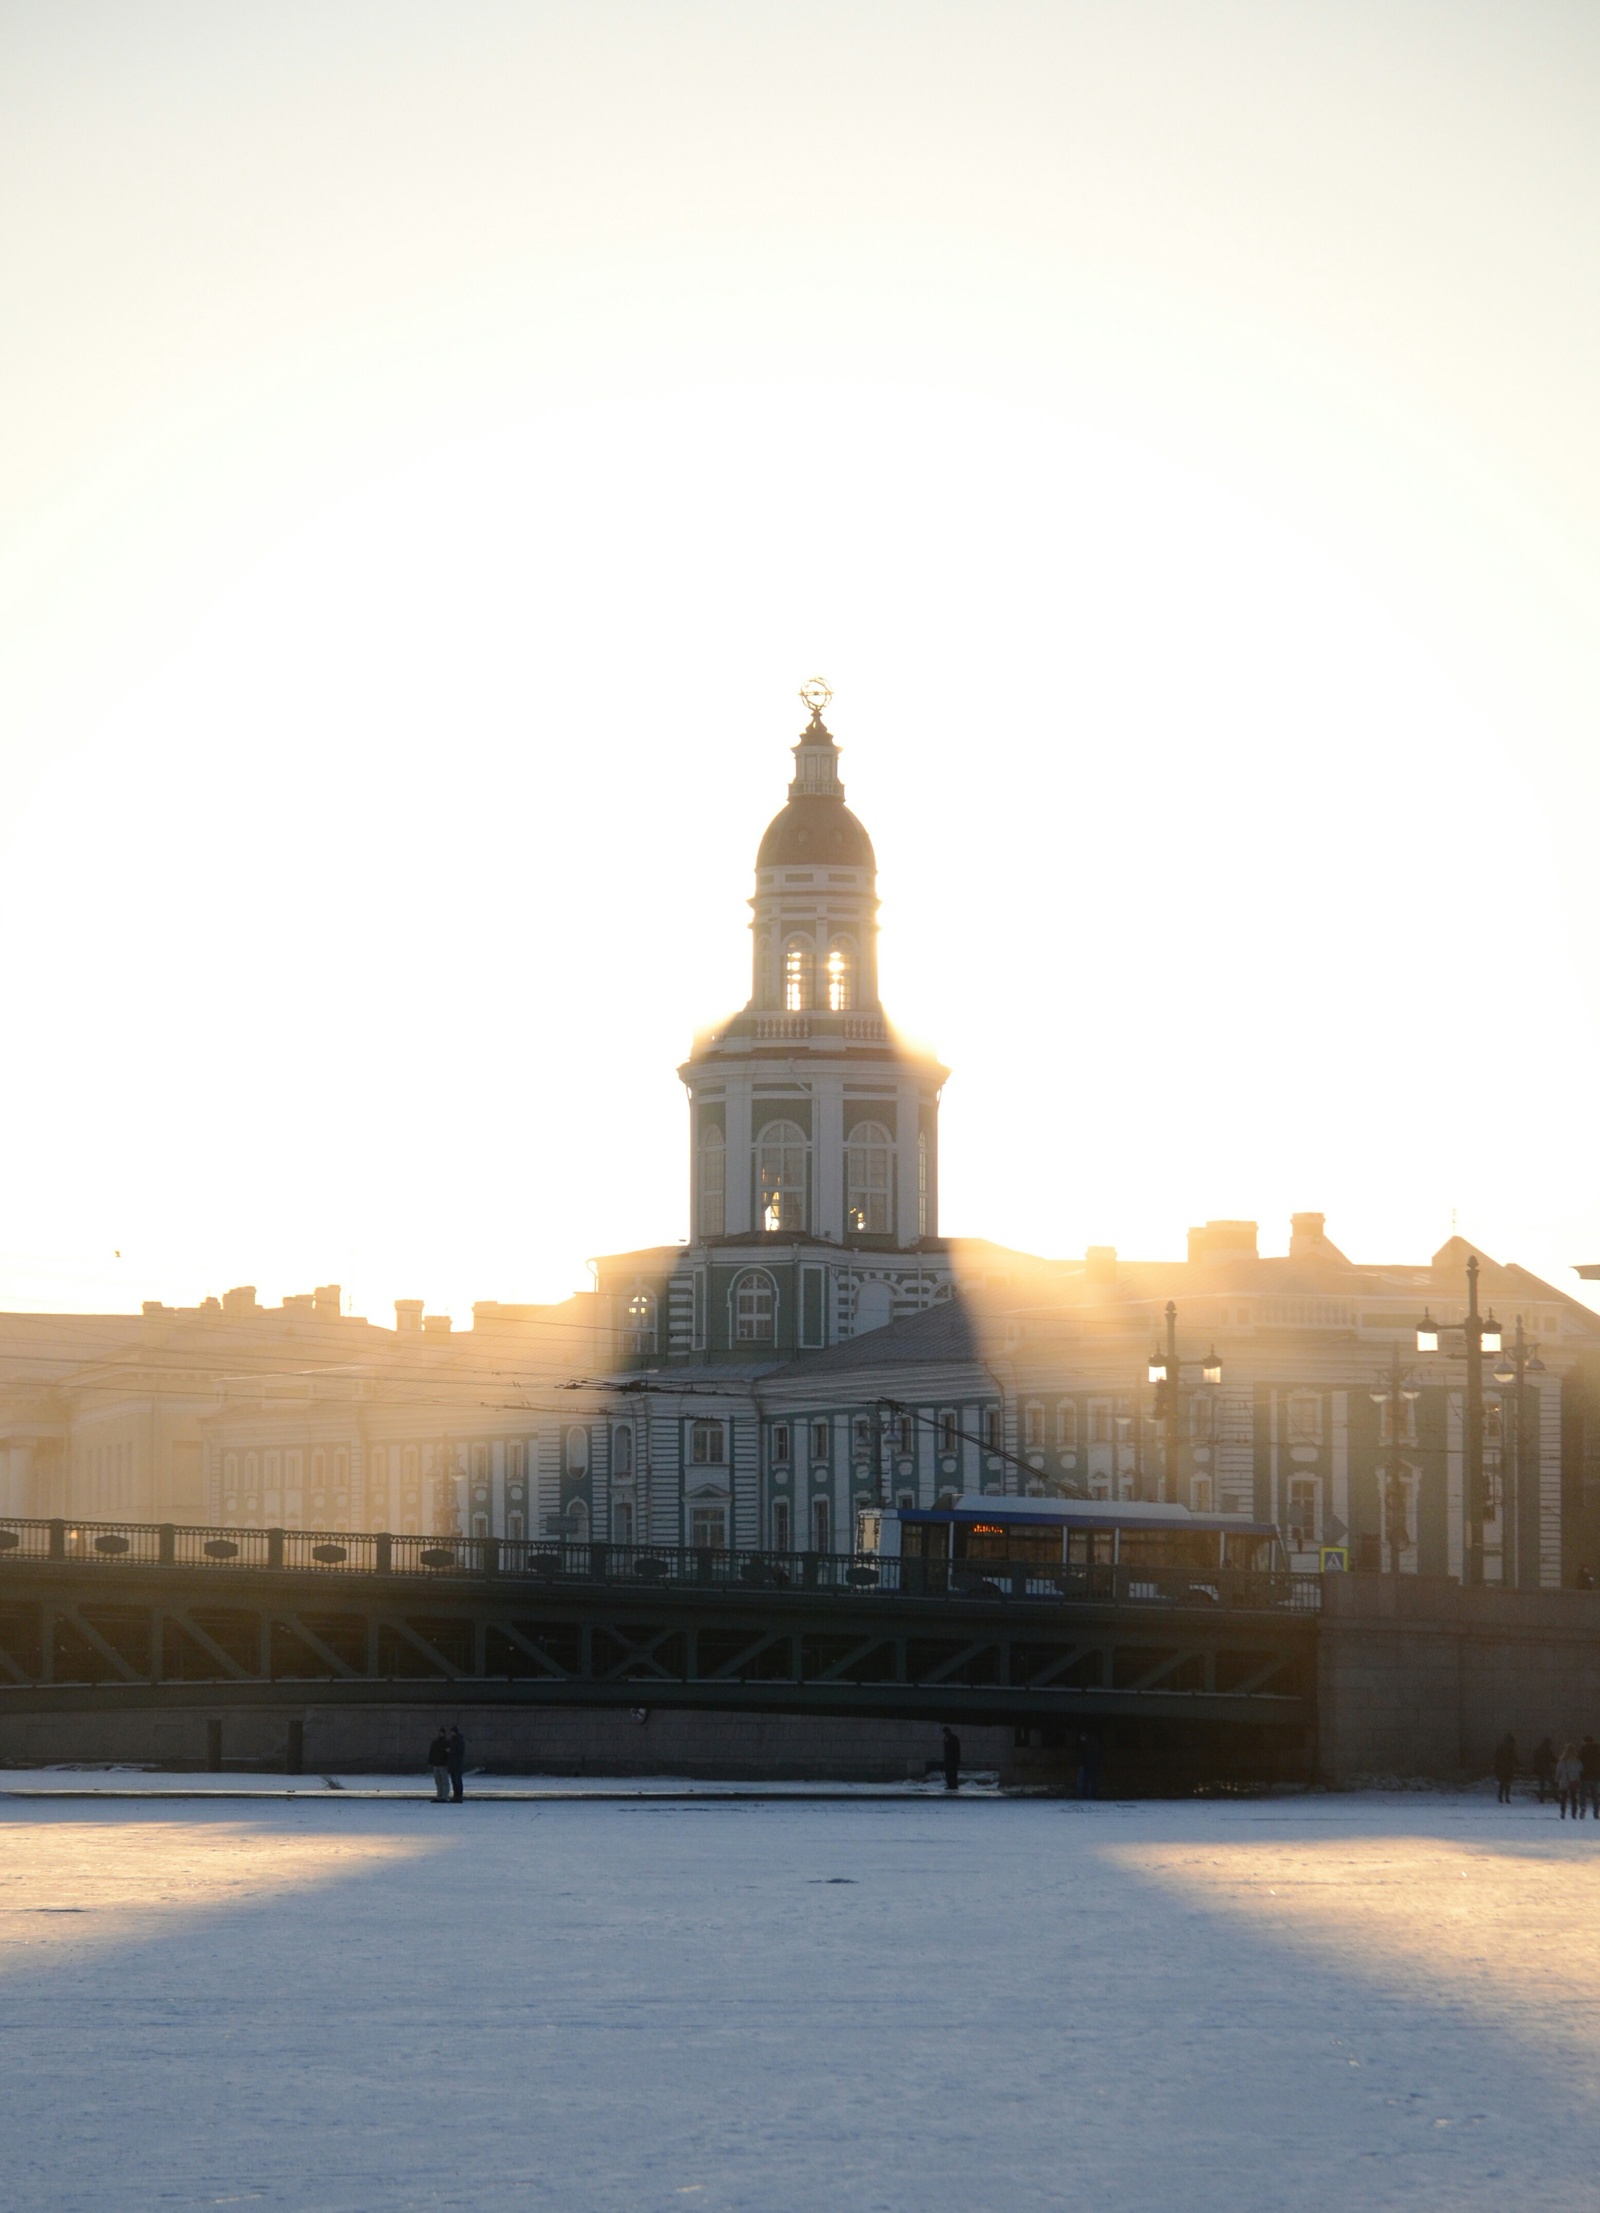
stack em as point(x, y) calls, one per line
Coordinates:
point(753, 1308)
point(841, 976)
point(869, 1164)
point(713, 1182)
point(781, 1177)
point(797, 976)
point(641, 1322)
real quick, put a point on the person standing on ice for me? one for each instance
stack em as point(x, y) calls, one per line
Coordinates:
point(1544, 1767)
point(952, 1759)
point(1589, 1772)
point(1505, 1765)
point(1569, 1777)
point(1088, 1764)
point(439, 1761)
point(457, 1760)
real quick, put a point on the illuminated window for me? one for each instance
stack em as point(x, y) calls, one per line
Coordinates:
point(640, 1317)
point(867, 1177)
point(713, 1182)
point(707, 1448)
point(922, 1183)
point(752, 1308)
point(796, 976)
point(841, 977)
point(781, 1177)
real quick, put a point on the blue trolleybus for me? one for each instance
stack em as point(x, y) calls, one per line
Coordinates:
point(1037, 1546)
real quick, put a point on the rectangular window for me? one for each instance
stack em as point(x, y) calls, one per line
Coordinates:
point(994, 1428)
point(514, 1526)
point(1305, 1418)
point(1067, 1424)
point(819, 1525)
point(780, 1444)
point(1302, 1513)
point(708, 1528)
point(907, 1433)
point(1033, 1425)
point(706, 1445)
point(819, 1440)
point(949, 1432)
point(780, 1525)
point(1099, 1422)
point(861, 1435)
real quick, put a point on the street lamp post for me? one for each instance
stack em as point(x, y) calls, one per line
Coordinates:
point(1395, 1389)
point(1514, 1366)
point(1166, 1373)
point(1479, 1333)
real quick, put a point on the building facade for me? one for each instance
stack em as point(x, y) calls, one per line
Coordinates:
point(818, 1345)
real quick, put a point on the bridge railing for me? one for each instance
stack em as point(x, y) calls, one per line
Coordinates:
point(565, 1562)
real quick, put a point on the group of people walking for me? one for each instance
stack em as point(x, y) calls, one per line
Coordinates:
point(1571, 1776)
point(447, 1756)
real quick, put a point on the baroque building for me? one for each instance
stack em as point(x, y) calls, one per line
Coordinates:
point(818, 1345)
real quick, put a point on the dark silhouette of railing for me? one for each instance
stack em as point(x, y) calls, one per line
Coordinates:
point(568, 1562)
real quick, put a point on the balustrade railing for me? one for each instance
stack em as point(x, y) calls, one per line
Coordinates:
point(559, 1561)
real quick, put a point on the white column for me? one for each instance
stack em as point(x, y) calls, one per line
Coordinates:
point(740, 1167)
point(827, 1156)
point(905, 1223)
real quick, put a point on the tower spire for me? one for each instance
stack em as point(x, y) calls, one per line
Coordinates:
point(816, 757)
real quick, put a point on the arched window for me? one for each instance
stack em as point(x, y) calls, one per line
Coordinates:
point(622, 1452)
point(841, 976)
point(796, 976)
point(577, 1451)
point(713, 1182)
point(868, 1158)
point(781, 1177)
point(578, 1521)
point(641, 1322)
point(752, 1308)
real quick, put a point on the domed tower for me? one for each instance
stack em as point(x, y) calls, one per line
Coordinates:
point(811, 1124)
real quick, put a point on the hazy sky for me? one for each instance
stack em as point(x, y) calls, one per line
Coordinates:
point(439, 442)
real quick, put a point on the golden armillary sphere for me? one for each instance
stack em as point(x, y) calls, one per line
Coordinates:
point(815, 695)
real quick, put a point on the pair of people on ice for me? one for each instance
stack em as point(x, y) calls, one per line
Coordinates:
point(1578, 1780)
point(447, 1756)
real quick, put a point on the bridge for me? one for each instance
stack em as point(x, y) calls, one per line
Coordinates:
point(117, 1615)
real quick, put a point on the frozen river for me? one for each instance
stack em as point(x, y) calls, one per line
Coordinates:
point(343, 2002)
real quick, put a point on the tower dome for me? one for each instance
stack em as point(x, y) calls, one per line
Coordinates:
point(816, 828)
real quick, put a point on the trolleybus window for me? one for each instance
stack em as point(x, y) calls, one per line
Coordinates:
point(993, 1540)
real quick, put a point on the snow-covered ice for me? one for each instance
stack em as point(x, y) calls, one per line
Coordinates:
point(339, 2002)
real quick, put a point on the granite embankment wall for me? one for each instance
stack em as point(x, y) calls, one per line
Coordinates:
point(1416, 1676)
point(357, 1740)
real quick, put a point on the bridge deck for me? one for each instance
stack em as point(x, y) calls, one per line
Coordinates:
point(169, 1616)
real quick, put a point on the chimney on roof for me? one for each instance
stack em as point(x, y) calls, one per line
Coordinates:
point(407, 1316)
point(1307, 1234)
point(1223, 1241)
point(239, 1302)
point(325, 1302)
point(436, 1325)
